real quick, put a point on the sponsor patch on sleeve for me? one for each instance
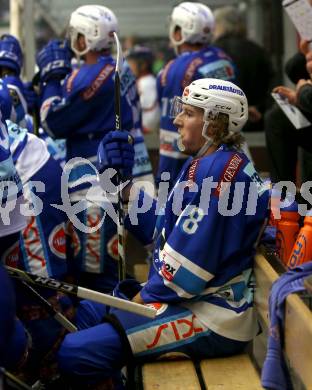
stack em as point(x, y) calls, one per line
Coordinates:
point(190, 71)
point(70, 80)
point(98, 82)
point(230, 171)
point(191, 174)
point(170, 266)
point(164, 73)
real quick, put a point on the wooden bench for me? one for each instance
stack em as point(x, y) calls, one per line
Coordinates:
point(298, 323)
point(239, 372)
point(231, 373)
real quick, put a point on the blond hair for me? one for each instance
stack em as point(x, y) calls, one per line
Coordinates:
point(219, 131)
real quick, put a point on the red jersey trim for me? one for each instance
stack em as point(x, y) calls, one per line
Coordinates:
point(230, 171)
point(190, 71)
point(98, 82)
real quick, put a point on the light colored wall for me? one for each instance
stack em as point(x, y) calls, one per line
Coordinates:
point(143, 18)
point(290, 43)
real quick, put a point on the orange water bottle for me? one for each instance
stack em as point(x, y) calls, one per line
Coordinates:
point(302, 250)
point(287, 231)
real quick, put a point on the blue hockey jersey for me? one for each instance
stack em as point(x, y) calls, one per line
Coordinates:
point(177, 74)
point(41, 247)
point(10, 187)
point(204, 242)
point(82, 111)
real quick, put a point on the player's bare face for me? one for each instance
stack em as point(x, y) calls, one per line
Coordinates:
point(190, 125)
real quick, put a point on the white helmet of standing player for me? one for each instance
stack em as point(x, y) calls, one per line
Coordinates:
point(214, 96)
point(97, 24)
point(196, 22)
point(218, 96)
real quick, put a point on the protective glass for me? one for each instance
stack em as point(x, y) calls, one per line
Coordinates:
point(176, 107)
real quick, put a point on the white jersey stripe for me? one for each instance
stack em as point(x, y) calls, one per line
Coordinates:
point(168, 251)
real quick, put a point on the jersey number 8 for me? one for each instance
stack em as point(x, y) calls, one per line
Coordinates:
point(190, 224)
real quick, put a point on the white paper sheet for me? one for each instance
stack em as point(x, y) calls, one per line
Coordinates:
point(292, 112)
point(300, 12)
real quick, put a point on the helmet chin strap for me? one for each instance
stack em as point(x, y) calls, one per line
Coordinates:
point(207, 144)
point(204, 148)
point(176, 50)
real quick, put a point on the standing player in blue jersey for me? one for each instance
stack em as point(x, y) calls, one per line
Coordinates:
point(201, 276)
point(11, 62)
point(38, 247)
point(191, 27)
point(78, 105)
point(12, 220)
point(23, 97)
point(13, 339)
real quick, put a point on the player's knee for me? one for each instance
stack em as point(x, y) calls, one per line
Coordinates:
point(69, 355)
point(89, 314)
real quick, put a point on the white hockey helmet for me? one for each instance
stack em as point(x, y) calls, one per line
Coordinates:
point(214, 96)
point(217, 96)
point(96, 23)
point(196, 22)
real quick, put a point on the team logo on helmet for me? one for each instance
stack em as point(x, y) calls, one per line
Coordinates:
point(57, 241)
point(227, 89)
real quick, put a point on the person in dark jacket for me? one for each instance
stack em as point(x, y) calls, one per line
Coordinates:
point(282, 138)
point(253, 64)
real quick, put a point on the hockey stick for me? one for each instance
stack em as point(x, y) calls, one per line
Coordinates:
point(59, 317)
point(81, 292)
point(36, 114)
point(120, 210)
point(15, 382)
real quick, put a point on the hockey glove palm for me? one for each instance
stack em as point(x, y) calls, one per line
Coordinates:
point(54, 60)
point(116, 151)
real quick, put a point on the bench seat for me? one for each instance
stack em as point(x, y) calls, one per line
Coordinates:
point(170, 375)
point(238, 372)
point(230, 373)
